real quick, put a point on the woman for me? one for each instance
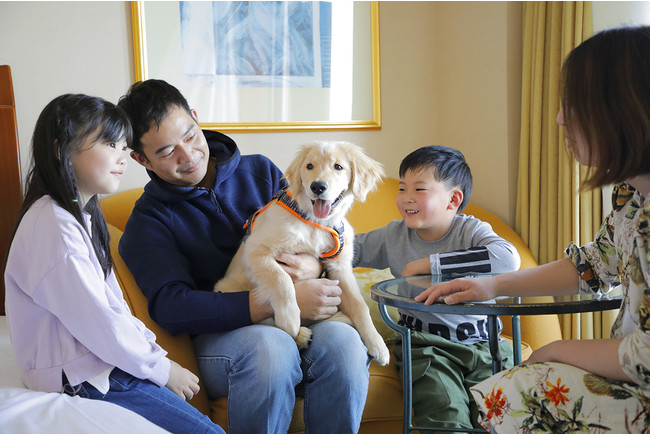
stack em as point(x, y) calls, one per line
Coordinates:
point(588, 384)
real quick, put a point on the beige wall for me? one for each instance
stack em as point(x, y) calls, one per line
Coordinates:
point(450, 75)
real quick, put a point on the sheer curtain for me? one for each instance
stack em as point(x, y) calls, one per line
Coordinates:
point(551, 211)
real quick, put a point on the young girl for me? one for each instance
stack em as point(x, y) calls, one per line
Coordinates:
point(69, 325)
point(589, 384)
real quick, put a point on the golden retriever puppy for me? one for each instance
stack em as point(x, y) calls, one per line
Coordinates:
point(309, 217)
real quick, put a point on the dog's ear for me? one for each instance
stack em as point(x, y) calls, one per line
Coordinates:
point(366, 172)
point(292, 174)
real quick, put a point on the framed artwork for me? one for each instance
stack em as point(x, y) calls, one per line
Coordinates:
point(265, 65)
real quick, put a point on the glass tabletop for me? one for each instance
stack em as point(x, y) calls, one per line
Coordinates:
point(401, 291)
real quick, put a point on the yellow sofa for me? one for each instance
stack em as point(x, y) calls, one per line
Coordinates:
point(383, 410)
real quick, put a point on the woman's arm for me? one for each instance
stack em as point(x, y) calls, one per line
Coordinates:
point(599, 356)
point(556, 278)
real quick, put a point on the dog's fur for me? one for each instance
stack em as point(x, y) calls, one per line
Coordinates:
point(344, 173)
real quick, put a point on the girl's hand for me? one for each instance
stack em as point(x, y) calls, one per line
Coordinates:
point(182, 381)
point(460, 290)
point(419, 266)
point(299, 267)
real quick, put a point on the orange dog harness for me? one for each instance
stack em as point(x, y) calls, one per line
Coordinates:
point(284, 199)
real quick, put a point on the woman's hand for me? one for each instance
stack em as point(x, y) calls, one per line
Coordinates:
point(460, 290)
point(299, 267)
point(182, 381)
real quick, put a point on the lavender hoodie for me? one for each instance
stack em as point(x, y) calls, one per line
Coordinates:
point(63, 315)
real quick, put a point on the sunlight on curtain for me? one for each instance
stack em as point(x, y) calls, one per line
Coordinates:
point(550, 210)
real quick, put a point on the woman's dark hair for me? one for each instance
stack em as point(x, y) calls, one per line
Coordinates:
point(62, 127)
point(605, 89)
point(448, 166)
point(147, 103)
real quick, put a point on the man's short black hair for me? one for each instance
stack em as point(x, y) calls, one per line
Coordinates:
point(448, 166)
point(147, 103)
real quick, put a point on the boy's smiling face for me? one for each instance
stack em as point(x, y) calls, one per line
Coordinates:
point(426, 204)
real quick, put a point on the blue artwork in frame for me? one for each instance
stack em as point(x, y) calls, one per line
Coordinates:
point(257, 43)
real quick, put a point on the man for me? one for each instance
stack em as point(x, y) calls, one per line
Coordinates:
point(178, 243)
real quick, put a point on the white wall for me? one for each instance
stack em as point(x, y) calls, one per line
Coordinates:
point(450, 75)
point(613, 14)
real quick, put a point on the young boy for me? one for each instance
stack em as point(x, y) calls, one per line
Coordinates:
point(450, 353)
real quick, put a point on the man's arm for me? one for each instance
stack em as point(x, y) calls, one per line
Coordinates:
point(164, 274)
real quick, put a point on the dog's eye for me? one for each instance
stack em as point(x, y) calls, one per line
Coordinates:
point(338, 167)
point(310, 166)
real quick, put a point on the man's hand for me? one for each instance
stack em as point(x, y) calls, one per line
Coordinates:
point(318, 299)
point(182, 381)
point(299, 267)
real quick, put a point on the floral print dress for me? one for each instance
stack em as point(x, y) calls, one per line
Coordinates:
point(559, 398)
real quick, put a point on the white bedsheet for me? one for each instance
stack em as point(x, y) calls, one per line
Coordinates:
point(24, 411)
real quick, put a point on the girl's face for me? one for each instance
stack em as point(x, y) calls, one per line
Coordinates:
point(98, 166)
point(575, 140)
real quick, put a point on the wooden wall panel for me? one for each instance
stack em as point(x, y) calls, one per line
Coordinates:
point(11, 195)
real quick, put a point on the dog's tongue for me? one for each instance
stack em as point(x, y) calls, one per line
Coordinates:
point(322, 208)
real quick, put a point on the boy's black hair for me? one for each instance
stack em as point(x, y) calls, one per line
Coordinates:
point(147, 103)
point(448, 166)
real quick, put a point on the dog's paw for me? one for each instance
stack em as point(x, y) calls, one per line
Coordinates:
point(379, 352)
point(304, 337)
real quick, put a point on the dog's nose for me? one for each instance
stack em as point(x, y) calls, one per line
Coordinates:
point(318, 187)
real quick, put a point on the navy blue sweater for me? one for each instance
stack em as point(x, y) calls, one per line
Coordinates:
point(179, 240)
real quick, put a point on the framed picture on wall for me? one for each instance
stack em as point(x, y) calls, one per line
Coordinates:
point(265, 65)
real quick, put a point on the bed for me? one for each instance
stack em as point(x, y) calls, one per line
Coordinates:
point(26, 411)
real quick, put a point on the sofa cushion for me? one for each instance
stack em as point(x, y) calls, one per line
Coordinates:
point(366, 277)
point(179, 348)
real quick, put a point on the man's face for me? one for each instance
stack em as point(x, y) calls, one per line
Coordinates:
point(176, 151)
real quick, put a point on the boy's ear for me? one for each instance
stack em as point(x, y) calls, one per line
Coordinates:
point(455, 199)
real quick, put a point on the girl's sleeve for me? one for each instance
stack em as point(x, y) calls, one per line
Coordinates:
point(75, 292)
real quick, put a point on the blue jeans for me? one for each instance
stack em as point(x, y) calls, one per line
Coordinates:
point(259, 368)
point(157, 404)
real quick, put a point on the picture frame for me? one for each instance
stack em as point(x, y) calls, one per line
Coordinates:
point(265, 66)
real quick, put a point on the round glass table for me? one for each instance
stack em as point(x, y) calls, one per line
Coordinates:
point(400, 293)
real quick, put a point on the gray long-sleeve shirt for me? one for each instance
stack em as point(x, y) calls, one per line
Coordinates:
point(470, 245)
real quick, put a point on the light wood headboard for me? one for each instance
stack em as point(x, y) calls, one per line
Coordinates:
point(11, 195)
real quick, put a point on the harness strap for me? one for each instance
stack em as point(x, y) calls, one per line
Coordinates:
point(286, 201)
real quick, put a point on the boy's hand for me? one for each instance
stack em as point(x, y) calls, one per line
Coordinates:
point(419, 266)
point(301, 266)
point(318, 299)
point(182, 381)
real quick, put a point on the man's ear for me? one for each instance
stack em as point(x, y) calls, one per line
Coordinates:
point(195, 116)
point(455, 199)
point(141, 159)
